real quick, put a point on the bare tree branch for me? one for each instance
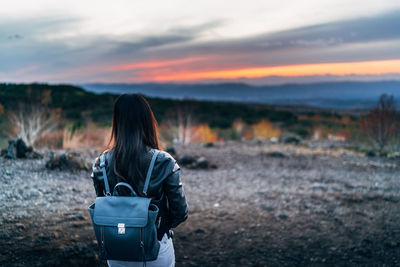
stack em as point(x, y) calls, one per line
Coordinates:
point(30, 121)
point(181, 122)
point(379, 123)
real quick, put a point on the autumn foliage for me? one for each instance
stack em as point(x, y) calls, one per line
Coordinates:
point(263, 129)
point(380, 121)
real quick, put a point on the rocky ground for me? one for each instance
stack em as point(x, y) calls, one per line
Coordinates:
point(313, 204)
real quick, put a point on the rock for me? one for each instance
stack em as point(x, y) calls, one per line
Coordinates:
point(21, 148)
point(213, 166)
point(11, 151)
point(291, 140)
point(74, 216)
point(43, 237)
point(319, 186)
point(275, 154)
point(182, 237)
point(67, 161)
point(209, 144)
point(396, 155)
point(171, 150)
point(20, 226)
point(33, 155)
point(18, 149)
point(283, 216)
point(274, 140)
point(267, 208)
point(202, 163)
point(195, 162)
point(370, 154)
point(199, 231)
point(30, 193)
point(383, 154)
point(3, 152)
point(186, 160)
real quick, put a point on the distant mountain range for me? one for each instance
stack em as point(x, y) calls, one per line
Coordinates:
point(335, 95)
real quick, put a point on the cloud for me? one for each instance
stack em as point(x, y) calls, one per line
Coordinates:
point(57, 49)
point(380, 28)
point(148, 42)
point(15, 36)
point(173, 37)
point(36, 27)
point(367, 29)
point(52, 42)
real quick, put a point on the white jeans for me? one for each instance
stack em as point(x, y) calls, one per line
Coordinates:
point(165, 258)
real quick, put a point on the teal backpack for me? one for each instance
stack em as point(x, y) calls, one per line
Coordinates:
point(125, 226)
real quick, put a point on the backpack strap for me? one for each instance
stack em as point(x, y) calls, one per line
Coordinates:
point(149, 171)
point(153, 159)
point(103, 169)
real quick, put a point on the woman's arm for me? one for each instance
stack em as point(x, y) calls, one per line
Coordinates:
point(178, 207)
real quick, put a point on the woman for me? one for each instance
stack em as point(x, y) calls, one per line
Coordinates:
point(133, 139)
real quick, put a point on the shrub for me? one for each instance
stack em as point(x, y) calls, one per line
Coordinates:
point(380, 121)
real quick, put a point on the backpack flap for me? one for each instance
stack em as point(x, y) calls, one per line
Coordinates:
point(114, 210)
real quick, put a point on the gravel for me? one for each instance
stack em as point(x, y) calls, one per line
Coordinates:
point(340, 206)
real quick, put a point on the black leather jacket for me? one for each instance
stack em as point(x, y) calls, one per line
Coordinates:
point(165, 188)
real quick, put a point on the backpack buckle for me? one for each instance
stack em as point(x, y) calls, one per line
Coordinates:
point(121, 228)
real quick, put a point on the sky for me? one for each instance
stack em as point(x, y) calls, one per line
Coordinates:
point(258, 42)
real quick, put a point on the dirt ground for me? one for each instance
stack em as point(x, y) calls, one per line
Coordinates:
point(307, 205)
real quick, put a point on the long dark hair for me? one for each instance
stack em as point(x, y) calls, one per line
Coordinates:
point(134, 131)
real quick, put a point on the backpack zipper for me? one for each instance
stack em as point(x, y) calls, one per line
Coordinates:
point(159, 222)
point(141, 237)
point(102, 238)
point(142, 246)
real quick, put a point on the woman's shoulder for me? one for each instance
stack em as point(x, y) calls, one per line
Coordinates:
point(166, 162)
point(96, 161)
point(164, 155)
point(96, 170)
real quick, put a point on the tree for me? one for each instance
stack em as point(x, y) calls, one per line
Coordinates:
point(203, 133)
point(30, 121)
point(379, 123)
point(181, 121)
point(264, 129)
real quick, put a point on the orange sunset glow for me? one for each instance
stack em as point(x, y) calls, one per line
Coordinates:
point(340, 69)
point(260, 43)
